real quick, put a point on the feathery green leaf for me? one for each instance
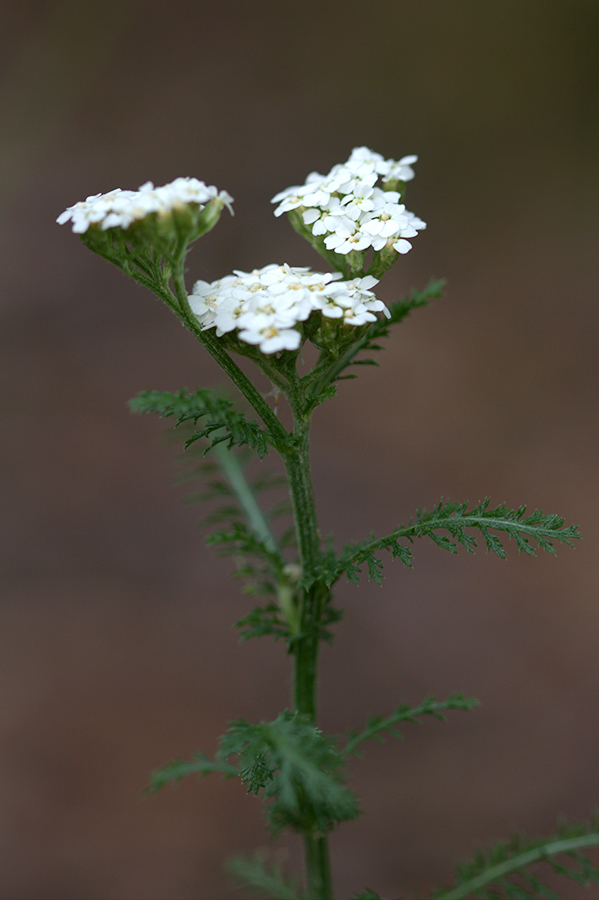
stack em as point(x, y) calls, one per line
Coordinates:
point(223, 423)
point(262, 876)
point(174, 771)
point(504, 871)
point(295, 767)
point(404, 713)
point(452, 518)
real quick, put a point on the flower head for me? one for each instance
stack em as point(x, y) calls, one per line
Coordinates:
point(120, 209)
point(350, 212)
point(266, 307)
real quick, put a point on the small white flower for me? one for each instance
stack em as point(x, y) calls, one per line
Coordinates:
point(414, 221)
point(358, 316)
point(401, 170)
point(323, 219)
point(271, 339)
point(228, 315)
point(360, 201)
point(207, 299)
point(347, 238)
point(364, 161)
point(265, 306)
point(119, 209)
point(348, 210)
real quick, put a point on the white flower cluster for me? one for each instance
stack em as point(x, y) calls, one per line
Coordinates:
point(118, 209)
point(265, 305)
point(350, 210)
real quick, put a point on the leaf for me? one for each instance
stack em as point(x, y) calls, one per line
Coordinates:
point(404, 713)
point(453, 518)
point(223, 423)
point(515, 868)
point(295, 767)
point(264, 877)
point(241, 525)
point(174, 771)
point(261, 621)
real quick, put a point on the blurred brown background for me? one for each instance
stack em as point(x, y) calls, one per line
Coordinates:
point(117, 647)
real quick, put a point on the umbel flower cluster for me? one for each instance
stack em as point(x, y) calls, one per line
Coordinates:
point(347, 214)
point(354, 210)
point(119, 209)
point(266, 306)
point(349, 210)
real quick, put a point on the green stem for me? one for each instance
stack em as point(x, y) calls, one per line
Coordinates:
point(318, 869)
point(305, 648)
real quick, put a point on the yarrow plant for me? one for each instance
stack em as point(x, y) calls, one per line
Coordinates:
point(356, 219)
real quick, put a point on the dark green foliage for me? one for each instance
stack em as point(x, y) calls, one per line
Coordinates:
point(263, 877)
point(453, 518)
point(174, 771)
point(518, 868)
point(268, 620)
point(223, 423)
point(377, 726)
point(239, 540)
point(247, 538)
point(216, 489)
point(295, 767)
point(262, 621)
point(257, 559)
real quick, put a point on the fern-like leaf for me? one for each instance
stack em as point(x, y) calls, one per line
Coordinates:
point(454, 519)
point(264, 877)
point(174, 771)
point(518, 868)
point(404, 713)
point(262, 621)
point(295, 767)
point(223, 423)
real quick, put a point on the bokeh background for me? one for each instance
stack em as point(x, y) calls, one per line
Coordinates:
point(118, 651)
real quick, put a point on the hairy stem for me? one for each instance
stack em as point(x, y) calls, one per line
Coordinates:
point(318, 867)
point(305, 648)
